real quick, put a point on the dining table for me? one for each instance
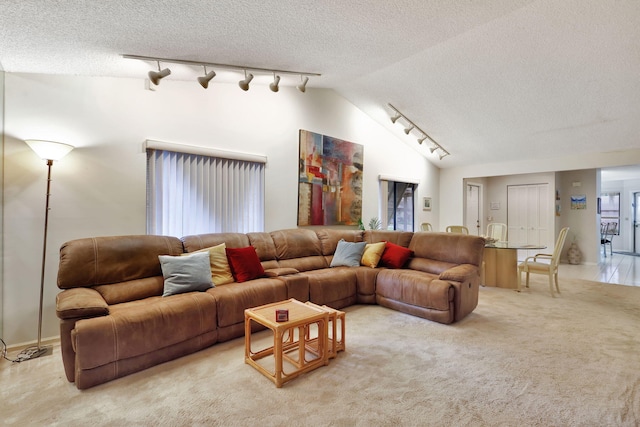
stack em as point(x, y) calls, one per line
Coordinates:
point(500, 263)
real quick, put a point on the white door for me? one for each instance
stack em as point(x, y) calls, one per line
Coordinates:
point(529, 215)
point(472, 217)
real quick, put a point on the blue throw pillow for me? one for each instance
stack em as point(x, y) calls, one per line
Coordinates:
point(348, 254)
point(185, 273)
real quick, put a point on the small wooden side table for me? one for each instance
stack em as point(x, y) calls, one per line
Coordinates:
point(335, 331)
point(291, 357)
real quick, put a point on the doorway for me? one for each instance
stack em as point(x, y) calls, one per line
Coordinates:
point(473, 203)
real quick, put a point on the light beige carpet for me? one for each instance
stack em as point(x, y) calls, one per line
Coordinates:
point(520, 359)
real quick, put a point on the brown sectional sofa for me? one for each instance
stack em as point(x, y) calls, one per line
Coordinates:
point(114, 320)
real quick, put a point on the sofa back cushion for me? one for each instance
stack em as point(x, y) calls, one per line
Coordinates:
point(106, 260)
point(401, 238)
point(116, 293)
point(448, 248)
point(329, 238)
point(201, 241)
point(299, 249)
point(265, 248)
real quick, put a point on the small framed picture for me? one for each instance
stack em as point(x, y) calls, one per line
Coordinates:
point(426, 204)
point(282, 315)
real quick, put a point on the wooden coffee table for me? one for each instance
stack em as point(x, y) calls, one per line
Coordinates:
point(291, 353)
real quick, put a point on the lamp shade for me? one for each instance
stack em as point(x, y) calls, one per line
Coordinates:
point(49, 150)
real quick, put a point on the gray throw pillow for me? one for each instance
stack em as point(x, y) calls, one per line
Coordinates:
point(185, 273)
point(348, 254)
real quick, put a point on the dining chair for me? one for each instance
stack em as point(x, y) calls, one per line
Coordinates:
point(497, 230)
point(533, 265)
point(426, 226)
point(607, 231)
point(460, 229)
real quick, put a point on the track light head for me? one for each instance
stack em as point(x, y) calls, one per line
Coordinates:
point(244, 84)
point(204, 80)
point(395, 118)
point(276, 81)
point(434, 148)
point(156, 76)
point(421, 140)
point(302, 87)
point(443, 155)
point(409, 129)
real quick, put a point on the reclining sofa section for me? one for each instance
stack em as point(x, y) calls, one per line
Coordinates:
point(114, 320)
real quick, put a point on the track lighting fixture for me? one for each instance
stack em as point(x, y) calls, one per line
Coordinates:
point(244, 84)
point(411, 126)
point(204, 80)
point(302, 87)
point(156, 76)
point(276, 81)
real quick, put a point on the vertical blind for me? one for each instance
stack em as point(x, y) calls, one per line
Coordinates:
point(194, 194)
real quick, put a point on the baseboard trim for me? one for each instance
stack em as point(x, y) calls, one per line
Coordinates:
point(49, 341)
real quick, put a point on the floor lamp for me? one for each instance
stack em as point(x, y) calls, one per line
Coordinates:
point(48, 151)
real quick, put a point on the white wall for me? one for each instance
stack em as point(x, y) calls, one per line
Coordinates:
point(99, 188)
point(1, 192)
point(584, 224)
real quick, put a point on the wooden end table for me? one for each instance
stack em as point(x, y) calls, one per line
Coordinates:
point(335, 331)
point(290, 340)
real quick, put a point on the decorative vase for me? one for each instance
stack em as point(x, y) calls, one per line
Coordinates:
point(574, 254)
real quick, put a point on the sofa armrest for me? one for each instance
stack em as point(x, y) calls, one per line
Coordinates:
point(80, 303)
point(465, 278)
point(459, 273)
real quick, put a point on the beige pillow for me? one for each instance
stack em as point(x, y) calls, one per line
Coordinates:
point(220, 270)
point(372, 254)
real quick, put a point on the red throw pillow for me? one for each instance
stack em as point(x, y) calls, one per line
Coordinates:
point(394, 256)
point(245, 264)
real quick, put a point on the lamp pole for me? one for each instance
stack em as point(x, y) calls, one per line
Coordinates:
point(40, 349)
point(48, 151)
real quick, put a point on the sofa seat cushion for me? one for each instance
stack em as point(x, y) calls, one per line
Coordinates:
point(234, 298)
point(415, 288)
point(140, 327)
point(335, 287)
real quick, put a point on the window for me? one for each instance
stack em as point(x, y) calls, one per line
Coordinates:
point(610, 209)
point(192, 193)
point(398, 204)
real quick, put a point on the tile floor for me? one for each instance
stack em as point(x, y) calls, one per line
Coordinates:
point(616, 268)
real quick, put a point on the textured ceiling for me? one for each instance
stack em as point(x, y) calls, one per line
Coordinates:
point(490, 80)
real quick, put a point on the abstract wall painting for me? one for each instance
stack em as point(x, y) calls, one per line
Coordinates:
point(329, 180)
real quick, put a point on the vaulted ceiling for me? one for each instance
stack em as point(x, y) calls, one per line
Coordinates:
point(491, 80)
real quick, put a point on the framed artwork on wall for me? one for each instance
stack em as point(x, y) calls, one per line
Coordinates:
point(426, 204)
point(579, 201)
point(329, 180)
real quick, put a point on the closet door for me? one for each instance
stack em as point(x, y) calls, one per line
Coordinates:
point(529, 214)
point(517, 214)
